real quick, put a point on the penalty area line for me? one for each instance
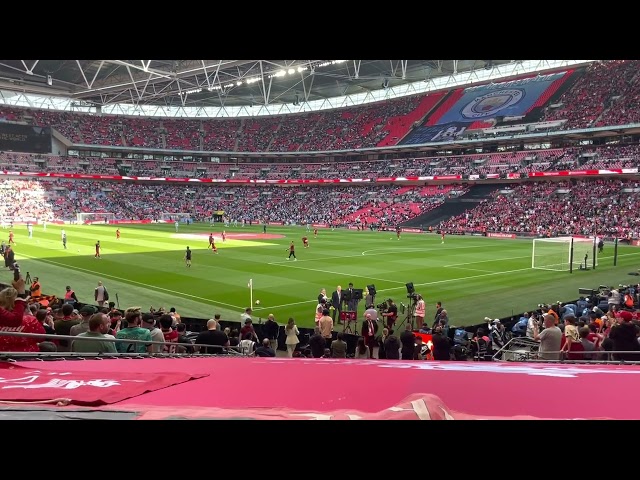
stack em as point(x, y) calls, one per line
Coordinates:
point(120, 279)
point(339, 273)
point(437, 282)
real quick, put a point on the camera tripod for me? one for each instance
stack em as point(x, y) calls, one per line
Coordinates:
point(411, 308)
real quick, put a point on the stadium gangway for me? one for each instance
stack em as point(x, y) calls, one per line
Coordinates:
point(524, 349)
point(235, 351)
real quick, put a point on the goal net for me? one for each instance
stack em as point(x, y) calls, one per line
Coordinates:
point(172, 217)
point(95, 217)
point(557, 254)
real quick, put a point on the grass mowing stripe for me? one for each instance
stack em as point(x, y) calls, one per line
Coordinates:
point(133, 282)
point(459, 279)
point(147, 254)
point(490, 260)
point(338, 273)
point(416, 285)
point(471, 269)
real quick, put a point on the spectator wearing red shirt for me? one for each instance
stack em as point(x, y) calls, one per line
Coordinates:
point(10, 303)
point(248, 328)
point(170, 335)
point(13, 304)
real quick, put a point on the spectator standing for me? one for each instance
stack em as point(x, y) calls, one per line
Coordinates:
point(339, 347)
point(100, 295)
point(292, 339)
point(408, 341)
point(272, 331)
point(213, 337)
point(550, 339)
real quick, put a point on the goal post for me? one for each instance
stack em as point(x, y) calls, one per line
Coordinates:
point(172, 217)
point(88, 218)
point(563, 254)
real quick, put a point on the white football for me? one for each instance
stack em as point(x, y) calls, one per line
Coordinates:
point(257, 302)
point(78, 250)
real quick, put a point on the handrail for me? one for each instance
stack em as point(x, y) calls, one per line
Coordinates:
point(48, 336)
point(533, 356)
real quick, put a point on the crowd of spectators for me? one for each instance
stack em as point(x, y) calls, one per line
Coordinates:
point(62, 199)
point(591, 328)
point(605, 93)
point(340, 129)
point(481, 164)
point(550, 208)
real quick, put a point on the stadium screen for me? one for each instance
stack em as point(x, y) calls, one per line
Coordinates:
point(24, 138)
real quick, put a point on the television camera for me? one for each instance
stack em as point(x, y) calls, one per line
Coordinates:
point(411, 292)
point(16, 273)
point(383, 307)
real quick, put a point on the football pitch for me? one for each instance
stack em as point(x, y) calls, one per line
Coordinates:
point(473, 277)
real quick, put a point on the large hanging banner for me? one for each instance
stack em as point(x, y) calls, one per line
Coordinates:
point(504, 99)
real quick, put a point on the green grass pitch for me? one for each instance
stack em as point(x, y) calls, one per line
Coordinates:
point(473, 277)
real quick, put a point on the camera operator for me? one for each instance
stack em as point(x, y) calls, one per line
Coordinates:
point(391, 314)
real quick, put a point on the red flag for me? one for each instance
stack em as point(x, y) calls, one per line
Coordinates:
point(20, 384)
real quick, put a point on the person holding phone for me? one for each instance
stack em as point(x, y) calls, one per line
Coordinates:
point(12, 311)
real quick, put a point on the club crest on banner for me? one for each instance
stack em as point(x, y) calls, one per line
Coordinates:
point(489, 104)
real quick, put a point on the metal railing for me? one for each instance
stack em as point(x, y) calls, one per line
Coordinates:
point(41, 337)
point(524, 349)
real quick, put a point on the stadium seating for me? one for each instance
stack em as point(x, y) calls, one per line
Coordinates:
point(557, 208)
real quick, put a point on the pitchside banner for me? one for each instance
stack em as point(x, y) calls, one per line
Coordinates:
point(24, 138)
point(505, 99)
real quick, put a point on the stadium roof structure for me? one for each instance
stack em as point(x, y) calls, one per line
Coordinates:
point(219, 82)
point(252, 85)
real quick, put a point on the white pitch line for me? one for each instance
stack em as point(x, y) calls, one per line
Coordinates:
point(150, 287)
point(400, 250)
point(472, 269)
point(340, 273)
point(458, 279)
point(384, 251)
point(484, 261)
point(415, 284)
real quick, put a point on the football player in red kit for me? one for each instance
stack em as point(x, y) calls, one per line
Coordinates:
point(305, 242)
point(315, 233)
